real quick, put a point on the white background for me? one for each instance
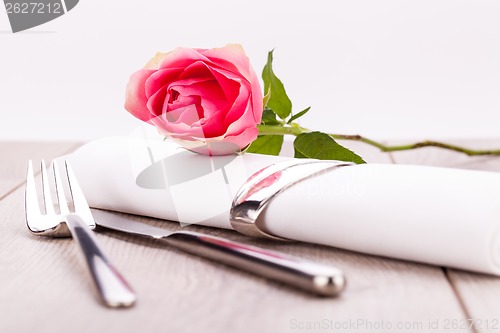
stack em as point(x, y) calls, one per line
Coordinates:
point(385, 69)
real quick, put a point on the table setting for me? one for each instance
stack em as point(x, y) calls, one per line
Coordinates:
point(137, 258)
point(229, 204)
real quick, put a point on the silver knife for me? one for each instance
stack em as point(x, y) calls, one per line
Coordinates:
point(306, 275)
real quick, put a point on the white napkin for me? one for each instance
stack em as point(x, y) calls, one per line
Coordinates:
point(440, 216)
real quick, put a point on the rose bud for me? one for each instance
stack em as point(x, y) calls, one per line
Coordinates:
point(210, 101)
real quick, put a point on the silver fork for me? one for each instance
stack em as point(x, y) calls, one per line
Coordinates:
point(113, 290)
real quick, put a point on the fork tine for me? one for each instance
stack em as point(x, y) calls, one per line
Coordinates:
point(61, 197)
point(32, 208)
point(79, 201)
point(47, 198)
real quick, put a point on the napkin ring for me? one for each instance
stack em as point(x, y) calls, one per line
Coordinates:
point(254, 195)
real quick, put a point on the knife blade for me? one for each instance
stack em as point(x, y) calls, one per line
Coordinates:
point(309, 276)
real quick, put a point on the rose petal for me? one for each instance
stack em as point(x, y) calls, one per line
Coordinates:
point(236, 55)
point(218, 148)
point(135, 100)
point(239, 107)
point(230, 82)
point(154, 63)
point(190, 81)
point(177, 130)
point(257, 98)
point(197, 69)
point(246, 120)
point(199, 72)
point(244, 138)
point(211, 147)
point(188, 116)
point(155, 102)
point(214, 125)
point(159, 79)
point(231, 55)
point(174, 112)
point(182, 57)
point(210, 93)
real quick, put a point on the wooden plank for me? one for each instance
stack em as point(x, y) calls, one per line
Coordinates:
point(480, 295)
point(42, 278)
point(15, 156)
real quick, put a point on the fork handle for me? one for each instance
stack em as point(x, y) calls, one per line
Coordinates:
point(112, 287)
point(309, 276)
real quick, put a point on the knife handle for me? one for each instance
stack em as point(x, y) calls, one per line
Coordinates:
point(112, 287)
point(309, 276)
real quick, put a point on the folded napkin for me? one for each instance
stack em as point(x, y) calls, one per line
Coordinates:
point(440, 216)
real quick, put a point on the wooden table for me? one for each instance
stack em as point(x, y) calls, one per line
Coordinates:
point(44, 287)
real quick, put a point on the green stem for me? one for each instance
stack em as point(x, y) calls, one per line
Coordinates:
point(295, 129)
point(281, 130)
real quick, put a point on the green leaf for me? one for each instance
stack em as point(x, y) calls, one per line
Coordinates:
point(266, 144)
point(321, 146)
point(298, 115)
point(278, 100)
point(298, 154)
point(269, 118)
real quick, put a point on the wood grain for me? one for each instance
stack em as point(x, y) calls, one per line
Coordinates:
point(44, 287)
point(480, 295)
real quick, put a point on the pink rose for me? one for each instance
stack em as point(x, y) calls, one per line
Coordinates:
point(208, 100)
